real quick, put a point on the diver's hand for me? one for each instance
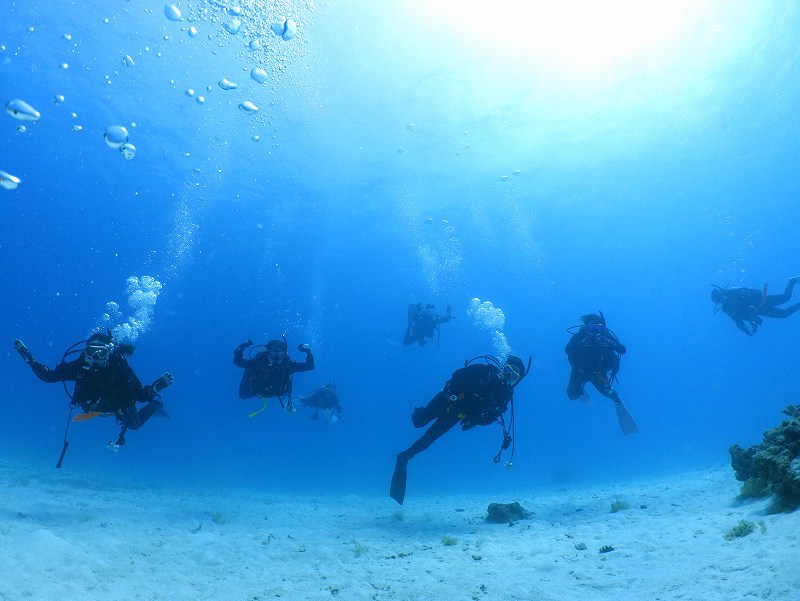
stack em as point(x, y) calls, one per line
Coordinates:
point(305, 348)
point(23, 351)
point(162, 382)
point(246, 343)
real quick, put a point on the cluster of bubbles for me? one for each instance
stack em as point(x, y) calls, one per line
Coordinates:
point(116, 136)
point(142, 295)
point(441, 256)
point(489, 318)
point(236, 21)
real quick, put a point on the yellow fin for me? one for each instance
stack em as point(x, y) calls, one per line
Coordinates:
point(82, 417)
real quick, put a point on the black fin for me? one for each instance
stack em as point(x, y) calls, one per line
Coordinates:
point(398, 488)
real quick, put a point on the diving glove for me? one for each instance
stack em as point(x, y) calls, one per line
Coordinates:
point(162, 382)
point(23, 351)
point(304, 347)
point(246, 343)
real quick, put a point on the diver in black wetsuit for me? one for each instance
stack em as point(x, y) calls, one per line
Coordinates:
point(269, 373)
point(594, 352)
point(476, 395)
point(326, 400)
point(104, 383)
point(424, 323)
point(745, 305)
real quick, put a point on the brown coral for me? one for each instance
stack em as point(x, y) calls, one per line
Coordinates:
point(776, 462)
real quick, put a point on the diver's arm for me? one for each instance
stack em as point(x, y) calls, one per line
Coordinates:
point(44, 373)
point(741, 325)
point(63, 372)
point(308, 364)
point(734, 311)
point(448, 317)
point(572, 345)
point(238, 354)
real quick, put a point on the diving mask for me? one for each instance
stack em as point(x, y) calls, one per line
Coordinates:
point(276, 355)
point(98, 354)
point(510, 374)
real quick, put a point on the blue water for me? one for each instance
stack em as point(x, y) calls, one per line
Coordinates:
point(400, 157)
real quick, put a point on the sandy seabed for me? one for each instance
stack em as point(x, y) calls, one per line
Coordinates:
point(69, 538)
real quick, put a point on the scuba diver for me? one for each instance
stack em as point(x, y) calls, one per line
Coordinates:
point(269, 373)
point(326, 400)
point(423, 324)
point(745, 305)
point(476, 395)
point(594, 352)
point(105, 385)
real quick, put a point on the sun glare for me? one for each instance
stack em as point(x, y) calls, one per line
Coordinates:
point(579, 34)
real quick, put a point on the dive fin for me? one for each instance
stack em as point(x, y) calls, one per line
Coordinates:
point(398, 488)
point(82, 417)
point(625, 419)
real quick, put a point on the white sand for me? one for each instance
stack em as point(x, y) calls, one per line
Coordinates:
point(66, 538)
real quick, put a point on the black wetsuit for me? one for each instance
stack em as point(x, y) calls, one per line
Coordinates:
point(594, 357)
point(112, 389)
point(475, 395)
point(324, 398)
point(264, 379)
point(745, 305)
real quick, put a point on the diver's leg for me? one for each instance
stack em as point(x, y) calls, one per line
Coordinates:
point(136, 419)
point(604, 387)
point(422, 416)
point(442, 424)
point(626, 422)
point(779, 311)
point(397, 490)
point(772, 300)
point(576, 384)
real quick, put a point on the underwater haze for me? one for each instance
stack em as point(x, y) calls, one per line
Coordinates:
point(548, 159)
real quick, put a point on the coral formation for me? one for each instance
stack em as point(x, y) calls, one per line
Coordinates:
point(743, 528)
point(753, 488)
point(775, 462)
point(506, 513)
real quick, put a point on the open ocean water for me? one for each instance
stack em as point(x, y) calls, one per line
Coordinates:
point(551, 159)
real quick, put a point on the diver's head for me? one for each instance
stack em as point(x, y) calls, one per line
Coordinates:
point(513, 370)
point(276, 351)
point(98, 349)
point(717, 296)
point(593, 323)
